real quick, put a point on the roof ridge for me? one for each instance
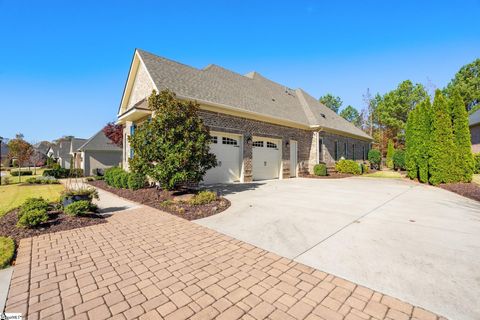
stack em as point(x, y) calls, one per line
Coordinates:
point(306, 107)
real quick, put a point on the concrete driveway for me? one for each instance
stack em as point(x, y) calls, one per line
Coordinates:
point(415, 242)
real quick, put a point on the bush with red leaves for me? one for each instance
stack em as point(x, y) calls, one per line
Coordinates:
point(114, 132)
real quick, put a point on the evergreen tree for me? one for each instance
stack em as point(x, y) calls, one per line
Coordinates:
point(410, 145)
point(442, 147)
point(461, 131)
point(423, 141)
point(390, 152)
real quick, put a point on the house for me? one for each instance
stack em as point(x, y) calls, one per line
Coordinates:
point(63, 154)
point(260, 129)
point(74, 145)
point(474, 123)
point(97, 153)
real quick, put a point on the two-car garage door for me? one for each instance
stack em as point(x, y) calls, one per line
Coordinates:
point(266, 157)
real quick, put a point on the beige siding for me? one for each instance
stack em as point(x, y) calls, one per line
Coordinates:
point(101, 160)
point(475, 136)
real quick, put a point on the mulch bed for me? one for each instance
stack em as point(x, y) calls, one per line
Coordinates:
point(469, 190)
point(155, 198)
point(58, 222)
point(330, 176)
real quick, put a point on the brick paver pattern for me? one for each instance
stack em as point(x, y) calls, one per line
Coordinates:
point(148, 264)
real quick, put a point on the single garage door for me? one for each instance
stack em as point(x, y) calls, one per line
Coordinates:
point(266, 158)
point(226, 147)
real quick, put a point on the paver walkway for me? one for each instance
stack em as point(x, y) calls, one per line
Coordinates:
point(148, 264)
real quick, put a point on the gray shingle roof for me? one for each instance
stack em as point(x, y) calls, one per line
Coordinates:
point(64, 149)
point(76, 143)
point(99, 141)
point(474, 118)
point(251, 92)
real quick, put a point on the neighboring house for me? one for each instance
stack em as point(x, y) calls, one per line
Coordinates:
point(52, 152)
point(74, 145)
point(474, 122)
point(261, 129)
point(4, 153)
point(98, 152)
point(63, 155)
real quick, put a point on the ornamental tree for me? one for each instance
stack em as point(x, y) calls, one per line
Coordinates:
point(173, 147)
point(114, 132)
point(442, 146)
point(464, 158)
point(20, 150)
point(390, 152)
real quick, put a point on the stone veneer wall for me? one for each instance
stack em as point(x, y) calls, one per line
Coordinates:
point(328, 149)
point(248, 128)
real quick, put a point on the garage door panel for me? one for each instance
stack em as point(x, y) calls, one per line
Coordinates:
point(266, 158)
point(227, 150)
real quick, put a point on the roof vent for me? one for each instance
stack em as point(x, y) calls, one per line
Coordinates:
point(273, 99)
point(323, 115)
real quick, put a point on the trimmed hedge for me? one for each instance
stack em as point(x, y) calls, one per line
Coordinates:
point(79, 208)
point(348, 166)
point(42, 180)
point(7, 250)
point(477, 162)
point(17, 173)
point(61, 173)
point(320, 169)
point(136, 181)
point(399, 160)
point(375, 157)
point(121, 179)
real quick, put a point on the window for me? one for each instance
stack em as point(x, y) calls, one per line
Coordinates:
point(226, 140)
point(258, 144)
point(345, 151)
point(320, 150)
point(336, 151)
point(132, 132)
point(353, 151)
point(271, 145)
point(214, 139)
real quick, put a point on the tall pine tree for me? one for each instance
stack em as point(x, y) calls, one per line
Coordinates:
point(423, 140)
point(411, 145)
point(461, 132)
point(442, 147)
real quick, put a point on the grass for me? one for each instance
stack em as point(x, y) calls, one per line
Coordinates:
point(14, 180)
point(12, 196)
point(7, 249)
point(385, 174)
point(476, 178)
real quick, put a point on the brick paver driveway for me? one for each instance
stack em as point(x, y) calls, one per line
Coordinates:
point(150, 265)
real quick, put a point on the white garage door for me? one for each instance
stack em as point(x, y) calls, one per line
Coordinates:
point(266, 158)
point(226, 147)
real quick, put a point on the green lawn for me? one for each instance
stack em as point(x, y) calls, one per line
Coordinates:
point(12, 196)
point(385, 174)
point(476, 178)
point(14, 180)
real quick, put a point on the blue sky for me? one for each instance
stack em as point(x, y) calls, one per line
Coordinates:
point(64, 63)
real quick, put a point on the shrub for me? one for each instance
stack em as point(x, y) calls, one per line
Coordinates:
point(477, 162)
point(348, 166)
point(374, 157)
point(90, 179)
point(32, 204)
point(5, 180)
point(7, 250)
point(364, 167)
point(110, 174)
point(136, 181)
point(92, 193)
point(79, 208)
point(58, 173)
point(320, 169)
point(17, 173)
point(32, 218)
point(75, 173)
point(42, 180)
point(399, 160)
point(203, 197)
point(119, 179)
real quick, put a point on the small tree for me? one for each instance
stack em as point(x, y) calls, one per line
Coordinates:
point(443, 151)
point(390, 152)
point(114, 132)
point(465, 163)
point(375, 157)
point(174, 146)
point(20, 150)
point(423, 139)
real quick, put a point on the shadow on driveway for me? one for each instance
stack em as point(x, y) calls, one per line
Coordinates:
point(224, 189)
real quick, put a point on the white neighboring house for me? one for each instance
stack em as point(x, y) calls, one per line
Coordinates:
point(98, 152)
point(63, 154)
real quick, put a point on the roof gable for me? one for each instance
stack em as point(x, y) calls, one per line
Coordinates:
point(99, 142)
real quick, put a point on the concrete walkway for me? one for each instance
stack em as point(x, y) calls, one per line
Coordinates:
point(148, 264)
point(5, 277)
point(415, 242)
